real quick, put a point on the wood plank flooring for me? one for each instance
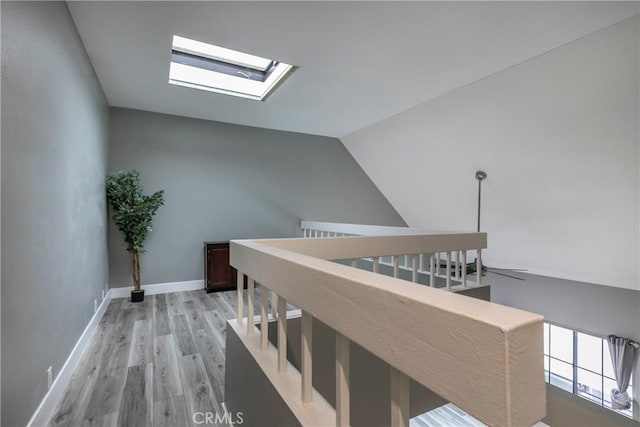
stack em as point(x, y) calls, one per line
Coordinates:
point(157, 362)
point(152, 363)
point(445, 416)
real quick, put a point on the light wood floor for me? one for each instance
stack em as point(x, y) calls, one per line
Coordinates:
point(152, 363)
point(158, 362)
point(446, 416)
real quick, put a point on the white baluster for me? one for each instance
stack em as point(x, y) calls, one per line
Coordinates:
point(376, 264)
point(396, 265)
point(479, 267)
point(432, 270)
point(448, 271)
point(354, 263)
point(422, 266)
point(274, 304)
point(240, 286)
point(464, 268)
point(414, 276)
point(264, 318)
point(250, 311)
point(456, 274)
point(342, 380)
point(282, 334)
point(399, 399)
point(437, 263)
point(307, 362)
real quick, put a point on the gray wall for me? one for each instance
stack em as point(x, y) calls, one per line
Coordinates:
point(54, 242)
point(595, 309)
point(568, 410)
point(558, 137)
point(225, 181)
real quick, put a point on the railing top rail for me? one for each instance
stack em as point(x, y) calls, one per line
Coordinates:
point(482, 356)
point(367, 230)
point(375, 246)
point(504, 317)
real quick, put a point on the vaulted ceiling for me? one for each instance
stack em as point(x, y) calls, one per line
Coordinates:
point(359, 62)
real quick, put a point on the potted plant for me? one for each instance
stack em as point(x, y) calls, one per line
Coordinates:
point(132, 213)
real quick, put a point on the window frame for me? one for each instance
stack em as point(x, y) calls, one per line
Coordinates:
point(548, 373)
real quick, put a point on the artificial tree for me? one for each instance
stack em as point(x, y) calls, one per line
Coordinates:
point(133, 212)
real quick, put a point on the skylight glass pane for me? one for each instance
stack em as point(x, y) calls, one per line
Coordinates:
point(198, 76)
point(212, 68)
point(220, 53)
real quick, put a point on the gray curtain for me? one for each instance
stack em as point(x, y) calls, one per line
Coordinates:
point(624, 354)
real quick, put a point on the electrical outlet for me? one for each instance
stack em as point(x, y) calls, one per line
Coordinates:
point(95, 305)
point(49, 377)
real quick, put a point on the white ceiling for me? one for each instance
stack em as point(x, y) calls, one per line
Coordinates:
point(360, 62)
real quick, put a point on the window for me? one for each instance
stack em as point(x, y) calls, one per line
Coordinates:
point(216, 69)
point(581, 364)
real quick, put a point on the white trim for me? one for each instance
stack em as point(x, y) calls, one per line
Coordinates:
point(160, 288)
point(369, 230)
point(47, 406)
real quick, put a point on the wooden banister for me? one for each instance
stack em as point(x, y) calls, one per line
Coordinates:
point(481, 356)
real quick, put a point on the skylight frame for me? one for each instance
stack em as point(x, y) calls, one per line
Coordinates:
point(274, 72)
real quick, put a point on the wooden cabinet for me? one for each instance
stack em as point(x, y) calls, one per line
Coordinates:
point(218, 274)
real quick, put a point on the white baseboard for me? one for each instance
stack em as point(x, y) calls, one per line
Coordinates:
point(48, 405)
point(160, 288)
point(43, 414)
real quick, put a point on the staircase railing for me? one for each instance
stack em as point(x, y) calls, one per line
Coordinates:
point(451, 266)
point(481, 356)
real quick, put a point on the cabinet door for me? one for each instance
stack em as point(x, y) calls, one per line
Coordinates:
point(218, 270)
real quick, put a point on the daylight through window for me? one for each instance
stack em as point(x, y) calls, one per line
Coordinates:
point(216, 69)
point(581, 364)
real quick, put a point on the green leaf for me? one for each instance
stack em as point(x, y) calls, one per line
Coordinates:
point(133, 211)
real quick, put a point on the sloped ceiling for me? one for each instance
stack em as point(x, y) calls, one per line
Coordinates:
point(360, 62)
point(558, 137)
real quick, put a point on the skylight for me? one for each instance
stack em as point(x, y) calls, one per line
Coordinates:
point(216, 69)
